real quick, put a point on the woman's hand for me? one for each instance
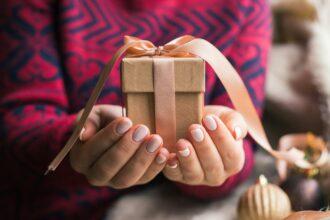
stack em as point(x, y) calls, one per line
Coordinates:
point(113, 152)
point(212, 152)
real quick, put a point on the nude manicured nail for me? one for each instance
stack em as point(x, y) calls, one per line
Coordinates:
point(140, 133)
point(210, 123)
point(197, 134)
point(123, 126)
point(153, 144)
point(238, 133)
point(185, 152)
point(162, 156)
point(81, 133)
point(160, 159)
point(172, 163)
point(173, 166)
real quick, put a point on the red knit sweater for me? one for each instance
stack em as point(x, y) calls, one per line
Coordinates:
point(50, 54)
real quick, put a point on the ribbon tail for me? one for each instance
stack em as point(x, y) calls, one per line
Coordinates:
point(89, 106)
point(239, 96)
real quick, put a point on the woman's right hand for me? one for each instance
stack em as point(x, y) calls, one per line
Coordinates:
point(112, 152)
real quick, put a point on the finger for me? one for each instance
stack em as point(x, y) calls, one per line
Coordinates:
point(235, 124)
point(100, 116)
point(85, 154)
point(91, 126)
point(231, 151)
point(134, 169)
point(207, 154)
point(172, 170)
point(156, 167)
point(189, 164)
point(117, 156)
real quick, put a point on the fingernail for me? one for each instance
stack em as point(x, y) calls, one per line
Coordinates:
point(197, 134)
point(238, 133)
point(153, 144)
point(185, 152)
point(81, 133)
point(160, 159)
point(172, 163)
point(123, 126)
point(173, 166)
point(162, 156)
point(140, 133)
point(210, 123)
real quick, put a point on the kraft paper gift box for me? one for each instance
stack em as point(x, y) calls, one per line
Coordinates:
point(139, 92)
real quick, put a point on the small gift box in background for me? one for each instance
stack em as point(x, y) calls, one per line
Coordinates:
point(167, 104)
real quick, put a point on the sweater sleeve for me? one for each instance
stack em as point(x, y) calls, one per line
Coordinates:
point(34, 109)
point(249, 56)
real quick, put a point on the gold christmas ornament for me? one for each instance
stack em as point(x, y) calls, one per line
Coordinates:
point(263, 201)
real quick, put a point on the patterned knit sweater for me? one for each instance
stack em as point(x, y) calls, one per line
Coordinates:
point(51, 52)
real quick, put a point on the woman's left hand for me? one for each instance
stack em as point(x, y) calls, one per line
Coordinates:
point(212, 151)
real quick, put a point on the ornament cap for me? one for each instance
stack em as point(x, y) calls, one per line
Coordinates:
point(263, 180)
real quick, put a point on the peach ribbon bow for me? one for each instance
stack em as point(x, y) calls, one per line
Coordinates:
point(230, 79)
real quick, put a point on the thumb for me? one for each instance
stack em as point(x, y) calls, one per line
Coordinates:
point(100, 116)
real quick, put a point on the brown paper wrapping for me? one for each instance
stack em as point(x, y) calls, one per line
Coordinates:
point(138, 89)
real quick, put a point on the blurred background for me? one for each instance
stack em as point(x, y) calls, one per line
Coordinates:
point(298, 83)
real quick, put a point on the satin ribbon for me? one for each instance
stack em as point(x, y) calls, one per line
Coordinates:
point(187, 46)
point(164, 98)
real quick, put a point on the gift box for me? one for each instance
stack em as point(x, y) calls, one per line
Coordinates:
point(185, 90)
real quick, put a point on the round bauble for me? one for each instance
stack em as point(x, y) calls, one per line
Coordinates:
point(305, 193)
point(263, 201)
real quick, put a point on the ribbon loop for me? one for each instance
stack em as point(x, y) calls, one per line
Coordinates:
point(147, 48)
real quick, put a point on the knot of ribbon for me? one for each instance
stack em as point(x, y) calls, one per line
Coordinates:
point(147, 48)
point(187, 46)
